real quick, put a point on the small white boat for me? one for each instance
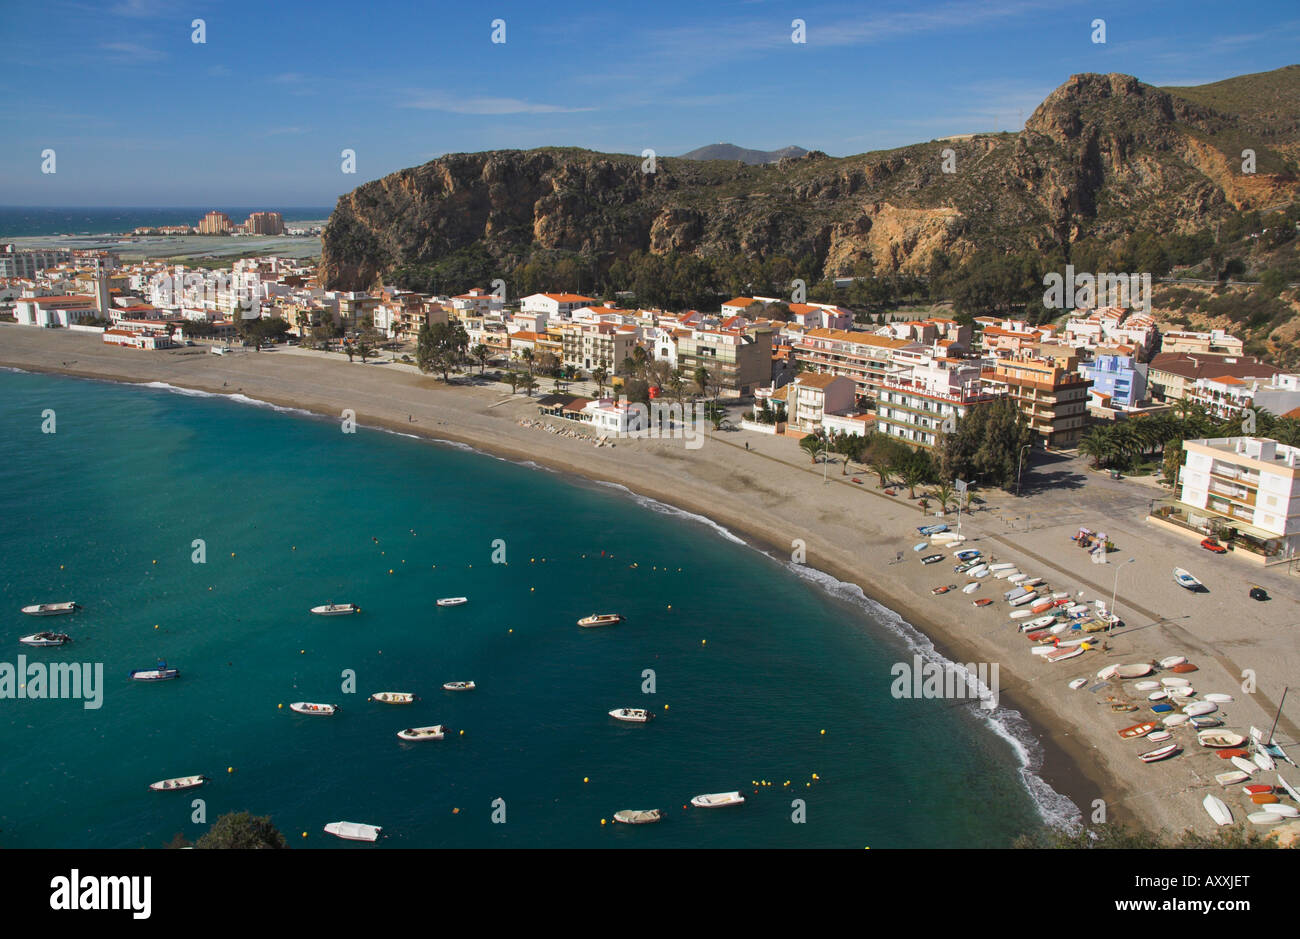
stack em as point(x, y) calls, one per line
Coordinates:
point(180, 782)
point(1038, 622)
point(1181, 692)
point(1245, 765)
point(979, 570)
point(1157, 695)
point(638, 817)
point(1186, 580)
point(1291, 790)
point(632, 715)
point(1219, 698)
point(1175, 682)
point(1138, 670)
point(1020, 614)
point(1199, 708)
point(353, 831)
point(307, 707)
point(458, 686)
point(1172, 660)
point(921, 547)
point(1077, 684)
point(971, 588)
point(1003, 575)
point(1004, 566)
point(1159, 735)
point(1162, 753)
point(336, 609)
point(1031, 581)
point(1263, 760)
point(1175, 720)
point(1290, 811)
point(1077, 609)
point(393, 697)
point(1108, 672)
point(1057, 628)
point(1060, 595)
point(1218, 811)
point(45, 639)
point(51, 609)
point(160, 673)
point(1064, 652)
point(1219, 738)
point(453, 601)
point(1265, 818)
point(1146, 685)
point(715, 800)
point(433, 732)
point(1231, 778)
point(600, 619)
point(1042, 650)
point(1027, 598)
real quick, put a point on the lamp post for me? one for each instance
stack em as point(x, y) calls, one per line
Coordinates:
point(1115, 591)
point(824, 451)
point(1019, 464)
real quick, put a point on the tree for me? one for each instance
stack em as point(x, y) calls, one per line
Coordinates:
point(1097, 445)
point(701, 377)
point(439, 347)
point(986, 444)
point(812, 445)
point(944, 494)
point(482, 353)
point(241, 830)
point(513, 379)
point(600, 375)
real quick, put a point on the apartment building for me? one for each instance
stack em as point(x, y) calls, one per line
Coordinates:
point(1051, 395)
point(265, 223)
point(1120, 378)
point(1173, 375)
point(215, 223)
point(590, 346)
point(924, 397)
point(26, 264)
point(557, 305)
point(739, 360)
point(1216, 341)
point(1250, 485)
point(864, 357)
point(810, 398)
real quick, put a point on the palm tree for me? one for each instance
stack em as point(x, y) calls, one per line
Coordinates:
point(913, 476)
point(944, 493)
point(599, 375)
point(812, 445)
point(1097, 444)
point(482, 353)
point(924, 504)
point(702, 378)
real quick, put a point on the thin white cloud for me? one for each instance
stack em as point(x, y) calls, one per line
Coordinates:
point(134, 51)
point(452, 104)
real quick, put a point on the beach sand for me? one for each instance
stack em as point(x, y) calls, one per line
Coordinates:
point(772, 494)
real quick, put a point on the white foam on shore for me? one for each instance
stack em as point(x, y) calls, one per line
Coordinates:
point(664, 509)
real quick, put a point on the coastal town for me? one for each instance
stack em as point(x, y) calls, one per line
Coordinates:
point(802, 387)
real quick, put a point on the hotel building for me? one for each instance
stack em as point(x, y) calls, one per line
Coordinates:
point(1248, 485)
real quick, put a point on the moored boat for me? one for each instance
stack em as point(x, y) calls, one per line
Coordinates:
point(319, 710)
point(45, 639)
point(715, 800)
point(600, 619)
point(453, 601)
point(161, 672)
point(336, 609)
point(51, 609)
point(180, 782)
point(458, 686)
point(637, 816)
point(353, 831)
point(392, 697)
point(632, 715)
point(432, 732)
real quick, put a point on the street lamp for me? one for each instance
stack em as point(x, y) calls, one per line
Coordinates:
point(1115, 591)
point(824, 451)
point(1019, 464)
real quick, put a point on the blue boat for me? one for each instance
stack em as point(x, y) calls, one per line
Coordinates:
point(931, 529)
point(921, 547)
point(160, 673)
point(1162, 708)
point(969, 554)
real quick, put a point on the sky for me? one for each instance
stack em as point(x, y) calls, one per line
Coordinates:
point(139, 114)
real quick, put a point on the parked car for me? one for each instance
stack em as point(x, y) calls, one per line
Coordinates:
point(1209, 544)
point(1258, 593)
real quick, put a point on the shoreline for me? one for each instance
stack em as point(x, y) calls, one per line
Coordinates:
point(1072, 764)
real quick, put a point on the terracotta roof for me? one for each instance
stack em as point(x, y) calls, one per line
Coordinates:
point(819, 379)
point(1194, 365)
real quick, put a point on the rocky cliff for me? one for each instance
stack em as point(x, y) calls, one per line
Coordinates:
point(1102, 156)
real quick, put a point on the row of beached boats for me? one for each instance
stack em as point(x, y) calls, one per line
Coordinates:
point(1170, 700)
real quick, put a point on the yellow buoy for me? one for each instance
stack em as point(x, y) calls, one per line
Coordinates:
point(665, 707)
point(823, 733)
point(509, 630)
point(60, 567)
point(704, 642)
point(304, 834)
point(294, 548)
point(584, 779)
point(232, 554)
point(462, 733)
point(602, 821)
point(155, 560)
point(815, 776)
point(531, 589)
point(302, 651)
point(230, 769)
point(455, 811)
point(280, 706)
point(390, 570)
point(155, 625)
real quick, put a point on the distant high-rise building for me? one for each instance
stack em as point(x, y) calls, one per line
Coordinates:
point(214, 223)
point(265, 223)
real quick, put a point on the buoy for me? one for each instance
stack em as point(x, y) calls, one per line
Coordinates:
point(823, 733)
point(532, 560)
point(60, 567)
point(209, 588)
point(462, 733)
point(807, 784)
point(665, 707)
point(155, 560)
point(294, 548)
point(304, 834)
point(302, 651)
point(509, 630)
point(280, 706)
point(531, 589)
point(602, 821)
point(815, 776)
point(230, 769)
point(455, 811)
point(390, 570)
point(704, 642)
point(670, 606)
point(155, 625)
point(232, 554)
point(584, 779)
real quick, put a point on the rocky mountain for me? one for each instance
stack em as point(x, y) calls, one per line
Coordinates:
point(1101, 157)
point(729, 151)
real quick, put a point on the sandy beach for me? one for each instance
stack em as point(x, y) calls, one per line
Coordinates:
point(772, 495)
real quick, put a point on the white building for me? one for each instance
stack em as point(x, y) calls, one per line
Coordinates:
point(556, 305)
point(1247, 483)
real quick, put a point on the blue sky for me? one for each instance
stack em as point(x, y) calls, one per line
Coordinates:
point(138, 114)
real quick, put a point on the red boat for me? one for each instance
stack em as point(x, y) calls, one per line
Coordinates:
point(939, 590)
point(1038, 634)
point(1138, 730)
point(1041, 607)
point(982, 601)
point(1257, 790)
point(1184, 668)
point(1064, 601)
point(1230, 753)
point(1263, 798)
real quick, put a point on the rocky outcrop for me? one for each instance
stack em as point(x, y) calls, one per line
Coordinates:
point(1102, 156)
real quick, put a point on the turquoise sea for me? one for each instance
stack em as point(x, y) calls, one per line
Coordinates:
point(751, 660)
